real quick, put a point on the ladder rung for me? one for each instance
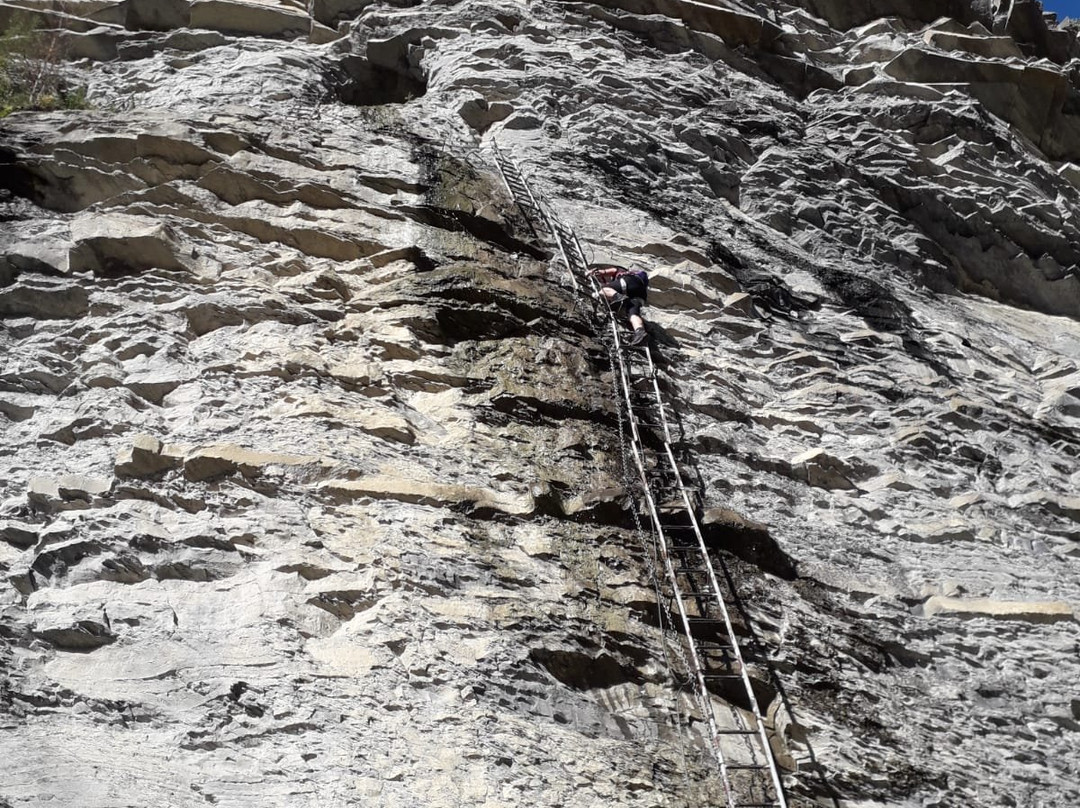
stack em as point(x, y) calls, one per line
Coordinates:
point(662, 476)
point(669, 474)
point(673, 504)
point(746, 766)
point(689, 559)
point(736, 732)
point(723, 653)
point(725, 660)
point(695, 583)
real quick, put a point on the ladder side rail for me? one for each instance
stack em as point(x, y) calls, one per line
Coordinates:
point(575, 252)
point(695, 656)
point(506, 166)
point(698, 671)
point(571, 252)
point(659, 399)
point(699, 674)
point(534, 200)
point(511, 173)
point(703, 548)
point(714, 584)
point(624, 385)
point(574, 255)
point(560, 241)
point(763, 737)
point(654, 514)
point(580, 252)
point(729, 628)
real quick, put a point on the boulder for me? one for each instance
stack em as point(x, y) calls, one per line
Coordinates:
point(120, 244)
point(47, 256)
point(82, 635)
point(250, 17)
point(82, 487)
point(973, 608)
point(146, 457)
point(331, 12)
point(845, 14)
point(429, 493)
point(217, 461)
point(19, 535)
point(156, 15)
point(321, 34)
point(382, 424)
point(824, 470)
point(995, 47)
point(1038, 100)
point(42, 300)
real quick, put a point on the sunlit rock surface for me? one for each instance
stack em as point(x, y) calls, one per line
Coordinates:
point(311, 488)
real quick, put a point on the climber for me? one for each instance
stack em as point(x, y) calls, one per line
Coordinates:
point(625, 291)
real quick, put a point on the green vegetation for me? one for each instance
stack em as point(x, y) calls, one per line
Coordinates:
point(31, 72)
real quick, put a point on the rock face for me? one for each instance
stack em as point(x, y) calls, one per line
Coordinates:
point(311, 476)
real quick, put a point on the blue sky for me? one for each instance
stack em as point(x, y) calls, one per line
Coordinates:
point(1064, 8)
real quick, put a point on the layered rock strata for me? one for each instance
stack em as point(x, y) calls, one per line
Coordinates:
point(312, 486)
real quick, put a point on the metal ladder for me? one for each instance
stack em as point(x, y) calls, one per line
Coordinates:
point(695, 601)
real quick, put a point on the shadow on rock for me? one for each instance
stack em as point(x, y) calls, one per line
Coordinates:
point(725, 529)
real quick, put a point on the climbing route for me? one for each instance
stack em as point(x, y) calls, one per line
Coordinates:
point(695, 606)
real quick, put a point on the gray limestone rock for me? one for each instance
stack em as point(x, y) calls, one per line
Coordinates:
point(250, 17)
point(117, 244)
point(145, 457)
point(312, 476)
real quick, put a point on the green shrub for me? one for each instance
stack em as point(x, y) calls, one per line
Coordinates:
point(31, 69)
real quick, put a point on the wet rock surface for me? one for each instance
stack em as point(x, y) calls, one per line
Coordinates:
point(310, 475)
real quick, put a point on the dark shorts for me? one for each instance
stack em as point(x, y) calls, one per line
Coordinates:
point(633, 306)
point(631, 286)
point(635, 290)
